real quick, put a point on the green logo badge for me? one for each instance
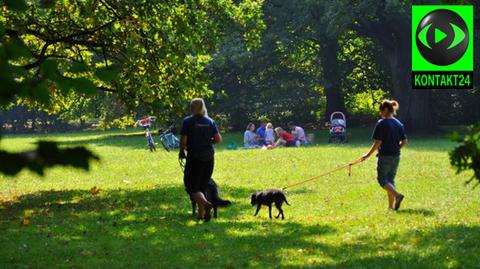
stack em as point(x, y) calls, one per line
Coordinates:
point(442, 47)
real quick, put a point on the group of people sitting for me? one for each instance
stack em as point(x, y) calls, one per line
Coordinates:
point(268, 137)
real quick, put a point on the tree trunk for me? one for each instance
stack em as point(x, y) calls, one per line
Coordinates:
point(332, 81)
point(415, 105)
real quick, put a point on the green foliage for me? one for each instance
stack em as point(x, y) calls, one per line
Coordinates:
point(466, 157)
point(278, 81)
point(118, 123)
point(153, 51)
point(21, 78)
point(365, 103)
point(57, 55)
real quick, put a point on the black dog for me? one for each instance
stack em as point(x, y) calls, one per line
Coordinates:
point(268, 197)
point(212, 195)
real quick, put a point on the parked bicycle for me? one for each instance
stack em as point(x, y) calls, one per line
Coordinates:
point(168, 139)
point(146, 123)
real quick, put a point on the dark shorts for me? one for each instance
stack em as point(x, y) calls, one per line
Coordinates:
point(387, 169)
point(197, 174)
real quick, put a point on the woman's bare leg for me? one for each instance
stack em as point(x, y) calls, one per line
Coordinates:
point(201, 202)
point(391, 199)
point(392, 194)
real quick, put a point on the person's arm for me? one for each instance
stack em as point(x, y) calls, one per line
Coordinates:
point(377, 136)
point(375, 146)
point(183, 140)
point(217, 138)
point(403, 143)
point(403, 138)
point(183, 146)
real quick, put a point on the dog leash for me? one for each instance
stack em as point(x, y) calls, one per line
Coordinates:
point(349, 165)
point(181, 162)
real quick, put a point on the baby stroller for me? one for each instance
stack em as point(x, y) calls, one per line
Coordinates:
point(338, 128)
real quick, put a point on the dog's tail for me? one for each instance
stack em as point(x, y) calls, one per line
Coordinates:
point(285, 199)
point(223, 203)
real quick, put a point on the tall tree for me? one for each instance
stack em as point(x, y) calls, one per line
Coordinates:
point(143, 51)
point(309, 22)
point(389, 23)
point(150, 51)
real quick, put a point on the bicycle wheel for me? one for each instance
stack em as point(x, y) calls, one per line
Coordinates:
point(164, 143)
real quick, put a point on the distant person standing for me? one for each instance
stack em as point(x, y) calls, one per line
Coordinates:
point(389, 138)
point(198, 134)
point(261, 135)
point(298, 132)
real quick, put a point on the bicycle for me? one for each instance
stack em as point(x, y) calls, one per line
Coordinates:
point(146, 123)
point(150, 143)
point(168, 139)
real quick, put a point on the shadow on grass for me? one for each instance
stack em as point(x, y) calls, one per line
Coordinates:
point(448, 246)
point(154, 229)
point(416, 211)
point(140, 229)
point(134, 140)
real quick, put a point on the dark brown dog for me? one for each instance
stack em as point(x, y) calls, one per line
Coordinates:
point(268, 197)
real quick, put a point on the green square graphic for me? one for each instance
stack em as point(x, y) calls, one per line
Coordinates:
point(419, 12)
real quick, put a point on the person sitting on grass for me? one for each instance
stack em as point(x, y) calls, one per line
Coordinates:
point(261, 134)
point(249, 137)
point(389, 137)
point(269, 134)
point(198, 134)
point(284, 138)
point(299, 133)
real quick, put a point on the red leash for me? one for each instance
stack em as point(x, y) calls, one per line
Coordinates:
point(349, 165)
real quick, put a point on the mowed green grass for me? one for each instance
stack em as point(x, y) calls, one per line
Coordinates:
point(141, 216)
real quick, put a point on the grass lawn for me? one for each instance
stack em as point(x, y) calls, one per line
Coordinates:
point(141, 216)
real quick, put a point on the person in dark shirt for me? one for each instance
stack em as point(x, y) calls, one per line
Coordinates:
point(261, 134)
point(198, 134)
point(389, 137)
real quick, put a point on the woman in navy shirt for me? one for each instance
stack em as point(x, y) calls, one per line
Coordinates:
point(389, 137)
point(198, 135)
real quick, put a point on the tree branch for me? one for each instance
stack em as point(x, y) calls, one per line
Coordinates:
point(106, 89)
point(40, 58)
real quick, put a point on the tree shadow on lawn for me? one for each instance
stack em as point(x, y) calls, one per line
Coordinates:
point(142, 229)
point(135, 140)
point(448, 246)
point(154, 229)
point(416, 211)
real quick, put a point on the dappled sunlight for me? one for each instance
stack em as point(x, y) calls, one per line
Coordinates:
point(133, 203)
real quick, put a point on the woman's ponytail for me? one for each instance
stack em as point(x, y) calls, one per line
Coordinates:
point(390, 105)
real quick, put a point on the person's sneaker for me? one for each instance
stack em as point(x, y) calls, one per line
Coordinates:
point(398, 201)
point(208, 209)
